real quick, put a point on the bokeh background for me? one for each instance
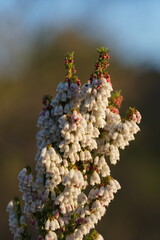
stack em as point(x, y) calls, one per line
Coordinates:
point(34, 36)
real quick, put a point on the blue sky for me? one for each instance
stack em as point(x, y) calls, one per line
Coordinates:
point(130, 28)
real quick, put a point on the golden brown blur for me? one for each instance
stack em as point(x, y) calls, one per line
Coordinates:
point(134, 213)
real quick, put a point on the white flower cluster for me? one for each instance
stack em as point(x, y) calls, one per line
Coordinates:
point(116, 135)
point(98, 198)
point(79, 129)
point(16, 222)
point(66, 99)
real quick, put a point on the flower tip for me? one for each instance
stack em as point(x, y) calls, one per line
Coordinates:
point(103, 50)
point(133, 114)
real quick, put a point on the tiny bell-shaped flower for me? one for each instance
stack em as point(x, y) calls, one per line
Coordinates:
point(47, 225)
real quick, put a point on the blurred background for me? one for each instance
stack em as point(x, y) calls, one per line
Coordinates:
point(34, 36)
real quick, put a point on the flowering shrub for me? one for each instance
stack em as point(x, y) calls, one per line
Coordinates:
point(80, 131)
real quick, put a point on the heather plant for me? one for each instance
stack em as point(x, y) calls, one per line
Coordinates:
point(80, 133)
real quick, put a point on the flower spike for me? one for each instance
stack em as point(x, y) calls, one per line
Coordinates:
point(80, 135)
point(71, 76)
point(101, 66)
